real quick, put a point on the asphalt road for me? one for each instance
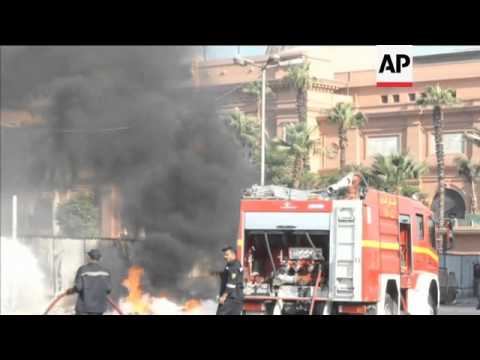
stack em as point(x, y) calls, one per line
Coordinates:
point(459, 309)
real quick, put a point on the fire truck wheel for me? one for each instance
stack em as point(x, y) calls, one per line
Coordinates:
point(319, 308)
point(391, 306)
point(432, 307)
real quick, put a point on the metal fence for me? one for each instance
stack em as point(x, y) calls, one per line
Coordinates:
point(471, 220)
point(462, 267)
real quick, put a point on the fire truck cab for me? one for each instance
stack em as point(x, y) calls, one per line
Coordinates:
point(313, 253)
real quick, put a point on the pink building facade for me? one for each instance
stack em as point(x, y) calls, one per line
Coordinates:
point(395, 122)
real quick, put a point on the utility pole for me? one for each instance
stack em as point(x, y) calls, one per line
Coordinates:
point(264, 82)
point(270, 61)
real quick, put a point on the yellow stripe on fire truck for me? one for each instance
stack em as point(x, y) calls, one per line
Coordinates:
point(380, 245)
point(395, 246)
point(426, 251)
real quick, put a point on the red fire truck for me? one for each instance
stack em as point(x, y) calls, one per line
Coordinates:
point(321, 253)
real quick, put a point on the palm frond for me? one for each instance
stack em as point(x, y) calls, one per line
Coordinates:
point(299, 76)
point(437, 96)
point(344, 116)
point(393, 173)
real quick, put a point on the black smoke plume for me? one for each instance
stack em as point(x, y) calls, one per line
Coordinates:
point(129, 115)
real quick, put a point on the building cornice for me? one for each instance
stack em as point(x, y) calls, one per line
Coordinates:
point(405, 110)
point(319, 85)
point(458, 56)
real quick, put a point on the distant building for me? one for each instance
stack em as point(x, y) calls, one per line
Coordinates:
point(36, 206)
point(396, 123)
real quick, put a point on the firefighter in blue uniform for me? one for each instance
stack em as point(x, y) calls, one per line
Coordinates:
point(92, 284)
point(231, 288)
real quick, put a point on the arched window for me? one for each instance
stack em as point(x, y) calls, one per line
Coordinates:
point(454, 204)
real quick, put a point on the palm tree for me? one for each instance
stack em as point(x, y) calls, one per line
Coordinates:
point(278, 163)
point(298, 143)
point(471, 173)
point(438, 98)
point(393, 173)
point(299, 78)
point(254, 88)
point(344, 116)
point(247, 132)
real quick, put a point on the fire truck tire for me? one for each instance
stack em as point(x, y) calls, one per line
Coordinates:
point(277, 309)
point(319, 308)
point(391, 306)
point(432, 306)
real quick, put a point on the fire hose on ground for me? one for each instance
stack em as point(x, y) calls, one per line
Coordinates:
point(62, 295)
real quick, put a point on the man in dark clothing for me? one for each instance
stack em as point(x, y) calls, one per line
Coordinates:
point(92, 284)
point(476, 282)
point(231, 288)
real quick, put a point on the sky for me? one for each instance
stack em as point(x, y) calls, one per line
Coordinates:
point(221, 52)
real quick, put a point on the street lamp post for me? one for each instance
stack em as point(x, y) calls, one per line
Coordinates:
point(262, 156)
point(274, 59)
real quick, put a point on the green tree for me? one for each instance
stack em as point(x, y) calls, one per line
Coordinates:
point(438, 98)
point(278, 164)
point(394, 173)
point(345, 117)
point(79, 217)
point(247, 131)
point(471, 173)
point(299, 77)
point(298, 143)
point(254, 88)
point(278, 161)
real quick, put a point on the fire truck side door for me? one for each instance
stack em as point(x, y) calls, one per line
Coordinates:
point(346, 251)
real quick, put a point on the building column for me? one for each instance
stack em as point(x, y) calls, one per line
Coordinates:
point(475, 149)
point(414, 141)
point(110, 209)
point(476, 154)
point(353, 150)
point(116, 223)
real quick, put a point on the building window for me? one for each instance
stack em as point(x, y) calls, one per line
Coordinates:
point(420, 227)
point(396, 98)
point(384, 99)
point(453, 143)
point(284, 130)
point(382, 145)
point(412, 97)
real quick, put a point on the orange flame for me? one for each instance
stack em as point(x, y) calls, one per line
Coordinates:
point(191, 305)
point(141, 303)
point(136, 297)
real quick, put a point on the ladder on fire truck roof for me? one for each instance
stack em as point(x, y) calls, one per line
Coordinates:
point(282, 193)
